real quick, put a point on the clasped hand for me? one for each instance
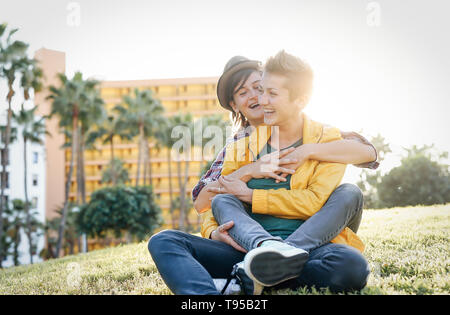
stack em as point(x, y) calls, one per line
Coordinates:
point(277, 165)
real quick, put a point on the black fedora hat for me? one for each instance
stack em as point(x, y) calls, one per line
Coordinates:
point(234, 65)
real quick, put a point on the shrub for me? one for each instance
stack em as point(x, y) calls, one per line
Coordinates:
point(119, 209)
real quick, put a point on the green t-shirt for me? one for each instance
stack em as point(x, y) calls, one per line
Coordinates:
point(275, 226)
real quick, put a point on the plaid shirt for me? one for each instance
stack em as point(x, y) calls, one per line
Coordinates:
point(215, 170)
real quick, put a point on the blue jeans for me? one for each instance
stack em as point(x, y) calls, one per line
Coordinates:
point(342, 209)
point(188, 264)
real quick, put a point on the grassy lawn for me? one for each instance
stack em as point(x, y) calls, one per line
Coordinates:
point(407, 248)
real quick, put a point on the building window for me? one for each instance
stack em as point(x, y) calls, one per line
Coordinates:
point(35, 157)
point(35, 180)
point(34, 202)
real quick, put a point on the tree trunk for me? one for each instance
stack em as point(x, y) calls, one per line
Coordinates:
point(186, 179)
point(79, 172)
point(71, 247)
point(112, 148)
point(181, 205)
point(51, 252)
point(145, 154)
point(16, 245)
point(27, 205)
point(149, 155)
point(141, 136)
point(170, 187)
point(129, 237)
point(5, 156)
point(114, 175)
point(2, 199)
point(68, 181)
point(81, 167)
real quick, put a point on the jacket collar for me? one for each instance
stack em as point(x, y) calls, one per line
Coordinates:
point(312, 133)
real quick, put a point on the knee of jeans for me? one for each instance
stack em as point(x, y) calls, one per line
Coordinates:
point(353, 194)
point(218, 204)
point(360, 273)
point(352, 271)
point(161, 240)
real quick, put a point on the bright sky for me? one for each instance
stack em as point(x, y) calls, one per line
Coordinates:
point(380, 66)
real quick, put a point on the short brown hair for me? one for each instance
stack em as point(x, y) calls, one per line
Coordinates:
point(298, 73)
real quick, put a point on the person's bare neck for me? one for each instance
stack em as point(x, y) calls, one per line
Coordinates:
point(287, 133)
point(256, 123)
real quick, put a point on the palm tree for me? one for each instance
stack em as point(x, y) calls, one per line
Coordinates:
point(182, 129)
point(115, 173)
point(21, 218)
point(163, 137)
point(89, 132)
point(15, 225)
point(142, 115)
point(32, 132)
point(190, 130)
point(90, 119)
point(31, 77)
point(31, 80)
point(72, 103)
point(207, 129)
point(11, 54)
point(212, 131)
point(71, 235)
point(113, 126)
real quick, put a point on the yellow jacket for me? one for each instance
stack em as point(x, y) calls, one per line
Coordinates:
point(311, 184)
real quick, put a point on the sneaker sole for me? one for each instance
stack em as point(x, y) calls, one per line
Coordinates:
point(269, 267)
point(248, 285)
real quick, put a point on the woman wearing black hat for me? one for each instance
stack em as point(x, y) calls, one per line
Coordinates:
point(238, 89)
point(189, 264)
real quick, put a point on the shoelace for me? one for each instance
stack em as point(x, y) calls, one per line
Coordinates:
point(229, 278)
point(226, 285)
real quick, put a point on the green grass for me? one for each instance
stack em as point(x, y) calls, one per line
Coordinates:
point(407, 249)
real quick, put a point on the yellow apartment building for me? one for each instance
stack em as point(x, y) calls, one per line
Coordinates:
point(194, 95)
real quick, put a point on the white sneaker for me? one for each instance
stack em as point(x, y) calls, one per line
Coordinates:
point(233, 288)
point(248, 285)
point(274, 262)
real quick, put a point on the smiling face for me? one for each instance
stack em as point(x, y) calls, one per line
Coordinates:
point(287, 85)
point(277, 106)
point(245, 99)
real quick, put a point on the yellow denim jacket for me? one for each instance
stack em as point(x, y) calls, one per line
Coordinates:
point(311, 184)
